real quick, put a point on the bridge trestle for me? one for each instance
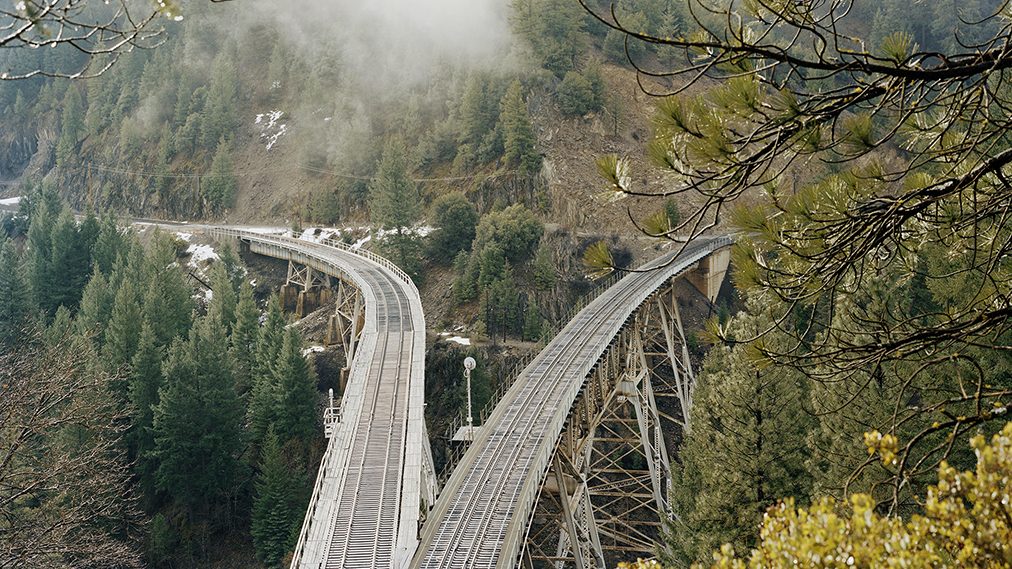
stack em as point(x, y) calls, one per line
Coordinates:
point(607, 486)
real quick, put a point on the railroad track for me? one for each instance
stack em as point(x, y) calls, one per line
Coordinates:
point(366, 501)
point(481, 517)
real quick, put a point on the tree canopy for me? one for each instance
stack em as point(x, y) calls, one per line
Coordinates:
point(847, 163)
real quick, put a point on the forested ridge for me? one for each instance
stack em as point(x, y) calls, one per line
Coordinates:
point(857, 151)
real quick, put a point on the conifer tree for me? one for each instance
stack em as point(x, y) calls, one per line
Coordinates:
point(124, 328)
point(144, 383)
point(745, 448)
point(198, 423)
point(15, 303)
point(39, 252)
point(275, 516)
point(108, 245)
point(395, 205)
point(218, 119)
point(220, 185)
point(71, 126)
point(520, 141)
point(96, 306)
point(244, 339)
point(264, 390)
point(69, 264)
point(223, 302)
point(455, 221)
point(168, 305)
point(295, 396)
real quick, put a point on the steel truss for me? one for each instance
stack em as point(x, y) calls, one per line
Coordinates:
point(607, 486)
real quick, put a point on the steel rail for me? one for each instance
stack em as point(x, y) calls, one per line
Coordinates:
point(488, 499)
point(365, 503)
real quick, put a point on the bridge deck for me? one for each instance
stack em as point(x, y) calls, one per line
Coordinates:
point(366, 501)
point(481, 516)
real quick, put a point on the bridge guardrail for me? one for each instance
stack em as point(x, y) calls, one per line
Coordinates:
point(333, 243)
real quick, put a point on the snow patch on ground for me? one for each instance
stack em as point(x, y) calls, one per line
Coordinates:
point(270, 129)
point(184, 236)
point(459, 340)
point(200, 254)
point(11, 201)
point(312, 350)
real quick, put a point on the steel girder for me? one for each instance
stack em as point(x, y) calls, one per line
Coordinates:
point(606, 490)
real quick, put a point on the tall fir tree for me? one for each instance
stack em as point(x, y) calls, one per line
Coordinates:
point(198, 424)
point(264, 390)
point(395, 205)
point(244, 339)
point(275, 516)
point(69, 265)
point(745, 447)
point(39, 251)
point(109, 244)
point(295, 395)
point(96, 306)
point(15, 303)
point(144, 383)
point(223, 301)
point(124, 330)
point(520, 142)
point(71, 127)
point(221, 185)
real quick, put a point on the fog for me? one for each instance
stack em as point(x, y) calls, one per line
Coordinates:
point(385, 43)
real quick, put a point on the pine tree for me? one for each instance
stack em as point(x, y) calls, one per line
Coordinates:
point(223, 302)
point(108, 245)
point(96, 306)
point(264, 391)
point(295, 403)
point(220, 184)
point(198, 423)
point(745, 448)
point(15, 303)
point(71, 127)
point(168, 305)
point(274, 517)
point(69, 264)
point(394, 201)
point(519, 135)
point(395, 204)
point(39, 252)
point(244, 339)
point(144, 383)
point(124, 330)
point(219, 119)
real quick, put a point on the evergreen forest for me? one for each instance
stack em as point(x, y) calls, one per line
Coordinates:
point(162, 404)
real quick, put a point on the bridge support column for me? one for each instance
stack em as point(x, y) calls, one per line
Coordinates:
point(305, 289)
point(345, 325)
point(607, 488)
point(708, 276)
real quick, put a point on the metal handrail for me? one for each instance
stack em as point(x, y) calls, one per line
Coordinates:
point(300, 244)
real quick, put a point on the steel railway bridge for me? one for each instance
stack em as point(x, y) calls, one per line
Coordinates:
point(570, 469)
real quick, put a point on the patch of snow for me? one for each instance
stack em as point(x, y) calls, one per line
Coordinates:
point(312, 350)
point(270, 129)
point(200, 254)
point(358, 244)
point(459, 340)
point(184, 236)
point(444, 333)
point(11, 201)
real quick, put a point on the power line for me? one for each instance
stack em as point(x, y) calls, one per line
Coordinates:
point(176, 175)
